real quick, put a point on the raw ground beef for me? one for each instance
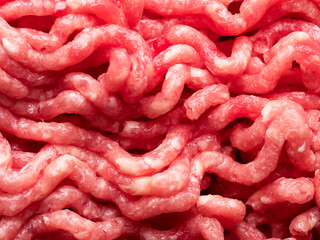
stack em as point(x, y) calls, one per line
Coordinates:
point(151, 119)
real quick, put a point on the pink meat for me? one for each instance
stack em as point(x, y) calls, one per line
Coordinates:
point(159, 119)
point(300, 190)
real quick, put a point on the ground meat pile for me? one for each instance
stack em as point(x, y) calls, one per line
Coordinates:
point(160, 119)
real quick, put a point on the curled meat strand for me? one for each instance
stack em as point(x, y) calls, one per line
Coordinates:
point(151, 128)
point(313, 123)
point(108, 103)
point(62, 197)
point(195, 227)
point(280, 229)
point(172, 87)
point(113, 80)
point(46, 103)
point(21, 158)
point(133, 10)
point(245, 231)
point(80, 48)
point(176, 176)
point(79, 227)
point(308, 59)
point(176, 54)
point(98, 57)
point(223, 21)
point(133, 144)
point(280, 212)
point(228, 211)
point(165, 183)
point(276, 134)
point(65, 133)
point(11, 86)
point(307, 8)
point(77, 104)
point(106, 10)
point(150, 206)
point(23, 74)
point(307, 100)
point(217, 63)
point(54, 107)
point(279, 59)
point(265, 38)
point(300, 190)
point(72, 197)
point(317, 184)
point(148, 185)
point(62, 28)
point(118, 72)
point(179, 202)
point(82, 175)
point(247, 106)
point(62, 167)
point(298, 143)
point(152, 28)
point(9, 226)
point(16, 181)
point(303, 223)
point(205, 98)
point(155, 160)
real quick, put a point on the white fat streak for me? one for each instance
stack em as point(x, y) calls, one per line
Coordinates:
point(13, 207)
point(169, 74)
point(154, 163)
point(140, 185)
point(233, 203)
point(203, 144)
point(74, 151)
point(130, 167)
point(302, 147)
point(266, 200)
point(9, 46)
point(83, 177)
point(225, 96)
point(266, 112)
point(221, 63)
point(126, 165)
point(196, 72)
point(61, 167)
point(46, 135)
point(46, 220)
point(60, 6)
point(271, 132)
point(171, 54)
point(134, 64)
point(149, 161)
point(82, 235)
point(76, 4)
point(5, 158)
point(172, 187)
point(203, 200)
point(131, 125)
point(175, 143)
point(93, 96)
point(87, 211)
point(198, 168)
point(253, 205)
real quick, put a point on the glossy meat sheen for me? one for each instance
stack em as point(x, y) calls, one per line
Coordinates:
point(132, 119)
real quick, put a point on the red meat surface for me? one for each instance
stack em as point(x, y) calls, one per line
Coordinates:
point(151, 119)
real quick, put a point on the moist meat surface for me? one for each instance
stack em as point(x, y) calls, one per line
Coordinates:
point(151, 119)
